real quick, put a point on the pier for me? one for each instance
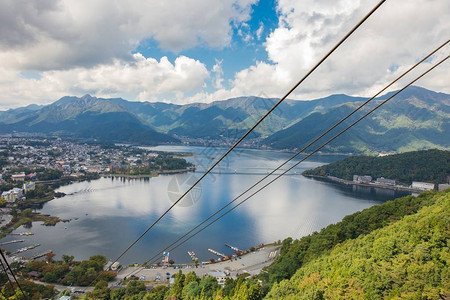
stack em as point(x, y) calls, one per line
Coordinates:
point(216, 253)
point(233, 248)
point(25, 249)
point(11, 242)
point(22, 233)
point(42, 254)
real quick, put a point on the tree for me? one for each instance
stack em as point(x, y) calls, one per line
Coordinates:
point(191, 290)
point(50, 256)
point(176, 289)
point(50, 277)
point(101, 260)
point(134, 287)
point(27, 213)
point(68, 259)
point(208, 286)
point(157, 293)
point(191, 277)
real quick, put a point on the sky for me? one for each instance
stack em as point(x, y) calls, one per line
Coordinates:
point(185, 51)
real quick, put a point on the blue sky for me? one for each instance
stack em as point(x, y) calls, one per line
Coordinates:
point(185, 51)
point(239, 54)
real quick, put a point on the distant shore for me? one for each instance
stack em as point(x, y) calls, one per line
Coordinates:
point(164, 172)
point(374, 185)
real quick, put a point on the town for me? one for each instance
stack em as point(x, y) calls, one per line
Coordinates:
point(32, 167)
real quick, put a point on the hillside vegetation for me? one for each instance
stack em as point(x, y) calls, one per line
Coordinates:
point(407, 259)
point(429, 166)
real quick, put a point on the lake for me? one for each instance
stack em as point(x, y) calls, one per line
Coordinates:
point(109, 213)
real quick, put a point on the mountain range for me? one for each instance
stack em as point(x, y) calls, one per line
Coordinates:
point(415, 119)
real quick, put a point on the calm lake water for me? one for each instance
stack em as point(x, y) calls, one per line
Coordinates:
point(109, 213)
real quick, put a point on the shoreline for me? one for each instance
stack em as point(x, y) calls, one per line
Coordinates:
point(373, 185)
point(156, 174)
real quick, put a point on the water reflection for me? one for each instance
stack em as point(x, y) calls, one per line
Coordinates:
point(108, 213)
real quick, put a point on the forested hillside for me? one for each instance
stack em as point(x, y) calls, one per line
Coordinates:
point(407, 259)
point(416, 119)
point(429, 166)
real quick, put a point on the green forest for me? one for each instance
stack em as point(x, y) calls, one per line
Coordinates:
point(406, 259)
point(427, 165)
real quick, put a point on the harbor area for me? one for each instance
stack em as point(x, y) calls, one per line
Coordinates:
point(251, 263)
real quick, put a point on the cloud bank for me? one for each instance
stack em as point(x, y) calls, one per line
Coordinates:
point(50, 48)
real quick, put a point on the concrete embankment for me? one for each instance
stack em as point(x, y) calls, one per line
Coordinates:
point(373, 184)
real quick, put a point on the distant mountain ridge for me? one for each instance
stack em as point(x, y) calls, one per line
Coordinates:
point(85, 117)
point(416, 119)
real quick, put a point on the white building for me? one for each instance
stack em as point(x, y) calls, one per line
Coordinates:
point(443, 186)
point(362, 178)
point(385, 181)
point(12, 195)
point(422, 186)
point(219, 275)
point(18, 177)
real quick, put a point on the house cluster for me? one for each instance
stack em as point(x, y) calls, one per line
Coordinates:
point(422, 186)
point(369, 179)
point(416, 185)
point(72, 159)
point(16, 193)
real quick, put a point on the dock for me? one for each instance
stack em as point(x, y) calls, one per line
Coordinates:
point(25, 249)
point(233, 248)
point(11, 242)
point(42, 254)
point(216, 253)
point(22, 233)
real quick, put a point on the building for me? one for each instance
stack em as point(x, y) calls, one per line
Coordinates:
point(422, 186)
point(12, 195)
point(443, 186)
point(219, 275)
point(385, 181)
point(115, 266)
point(29, 186)
point(362, 178)
point(18, 177)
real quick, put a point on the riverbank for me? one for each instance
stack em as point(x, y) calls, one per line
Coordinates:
point(374, 185)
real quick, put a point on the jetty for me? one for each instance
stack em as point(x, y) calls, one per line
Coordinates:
point(42, 254)
point(26, 248)
point(192, 255)
point(11, 242)
point(216, 253)
point(233, 248)
point(22, 233)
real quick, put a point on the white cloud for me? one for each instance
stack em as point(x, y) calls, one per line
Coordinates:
point(76, 47)
point(140, 78)
point(86, 46)
point(260, 30)
point(218, 71)
point(399, 33)
point(49, 34)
